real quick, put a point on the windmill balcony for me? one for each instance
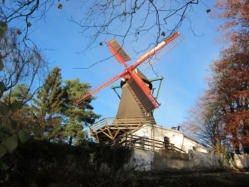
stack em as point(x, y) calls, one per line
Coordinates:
point(110, 130)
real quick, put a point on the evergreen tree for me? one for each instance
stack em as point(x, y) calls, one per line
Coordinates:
point(56, 112)
point(48, 105)
point(77, 118)
point(21, 93)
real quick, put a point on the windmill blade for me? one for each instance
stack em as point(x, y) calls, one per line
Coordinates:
point(153, 51)
point(117, 51)
point(95, 90)
point(154, 58)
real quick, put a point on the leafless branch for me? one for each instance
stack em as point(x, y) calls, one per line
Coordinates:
point(155, 16)
point(133, 19)
point(21, 64)
point(24, 11)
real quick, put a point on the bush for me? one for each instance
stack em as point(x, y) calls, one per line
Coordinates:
point(42, 163)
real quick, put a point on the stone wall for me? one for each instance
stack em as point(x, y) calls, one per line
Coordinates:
point(148, 160)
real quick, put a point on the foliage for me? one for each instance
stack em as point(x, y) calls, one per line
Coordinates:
point(231, 80)
point(19, 120)
point(224, 109)
point(43, 163)
point(10, 132)
point(231, 72)
point(18, 123)
point(235, 14)
point(55, 111)
point(75, 116)
point(21, 93)
point(114, 156)
point(15, 128)
point(48, 105)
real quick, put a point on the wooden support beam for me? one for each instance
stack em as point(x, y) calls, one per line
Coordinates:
point(124, 128)
point(90, 130)
point(106, 134)
point(97, 138)
point(94, 129)
point(110, 133)
point(116, 133)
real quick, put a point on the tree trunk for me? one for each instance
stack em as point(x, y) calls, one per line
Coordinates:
point(70, 140)
point(235, 143)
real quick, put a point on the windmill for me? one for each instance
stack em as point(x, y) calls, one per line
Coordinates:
point(137, 100)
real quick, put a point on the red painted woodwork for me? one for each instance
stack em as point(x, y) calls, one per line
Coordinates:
point(128, 70)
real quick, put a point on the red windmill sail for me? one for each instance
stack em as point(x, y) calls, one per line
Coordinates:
point(136, 83)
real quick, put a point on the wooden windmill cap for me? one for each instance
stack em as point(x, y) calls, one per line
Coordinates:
point(134, 103)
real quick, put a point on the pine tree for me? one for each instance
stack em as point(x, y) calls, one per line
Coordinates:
point(54, 109)
point(48, 105)
point(77, 118)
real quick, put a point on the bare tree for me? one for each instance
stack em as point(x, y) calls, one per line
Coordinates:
point(205, 122)
point(21, 64)
point(23, 11)
point(125, 18)
point(119, 18)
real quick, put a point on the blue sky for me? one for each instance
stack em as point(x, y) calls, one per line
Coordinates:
point(184, 68)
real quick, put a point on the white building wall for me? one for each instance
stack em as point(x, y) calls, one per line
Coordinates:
point(145, 131)
point(191, 145)
point(175, 137)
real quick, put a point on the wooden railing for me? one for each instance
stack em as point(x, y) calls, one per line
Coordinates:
point(145, 143)
point(112, 122)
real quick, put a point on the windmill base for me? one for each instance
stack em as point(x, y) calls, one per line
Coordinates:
point(141, 134)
